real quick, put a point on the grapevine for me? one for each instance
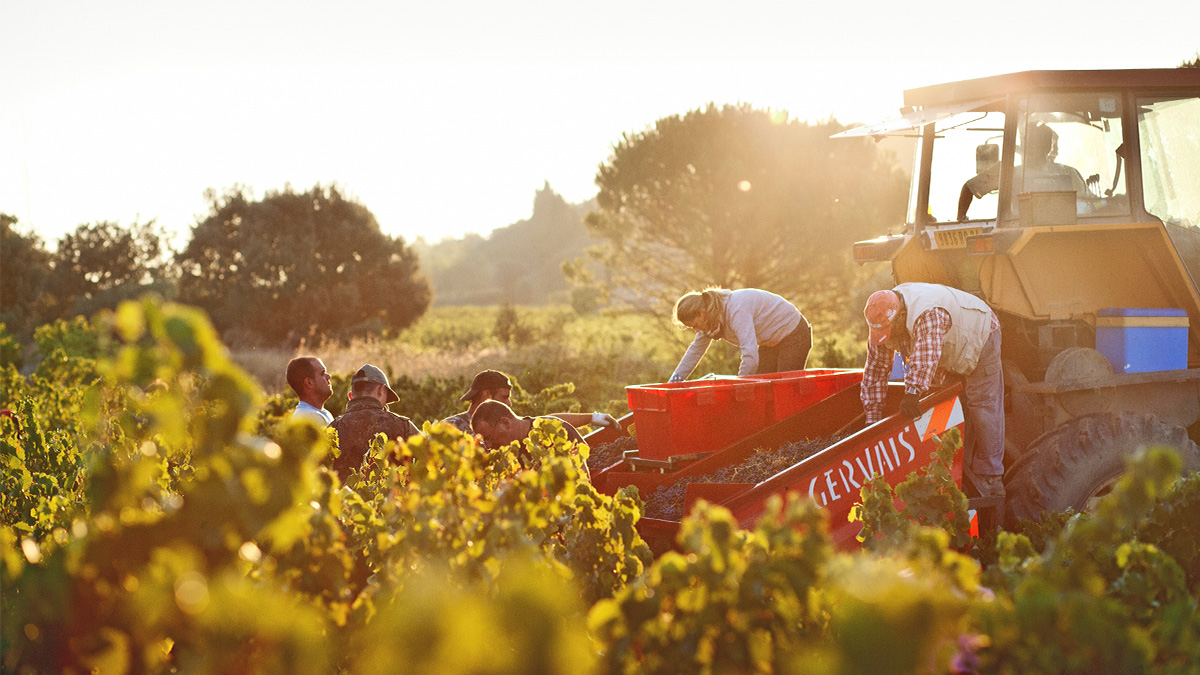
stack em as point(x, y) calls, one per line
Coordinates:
point(146, 529)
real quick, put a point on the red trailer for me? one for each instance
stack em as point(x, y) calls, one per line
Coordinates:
point(895, 447)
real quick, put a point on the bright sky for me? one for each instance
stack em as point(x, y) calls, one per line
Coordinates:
point(445, 117)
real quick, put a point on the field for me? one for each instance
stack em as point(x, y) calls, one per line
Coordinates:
point(160, 516)
point(460, 341)
point(539, 347)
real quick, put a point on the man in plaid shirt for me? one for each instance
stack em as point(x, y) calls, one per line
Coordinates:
point(941, 330)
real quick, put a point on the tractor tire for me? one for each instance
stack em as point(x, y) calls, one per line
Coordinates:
point(1070, 466)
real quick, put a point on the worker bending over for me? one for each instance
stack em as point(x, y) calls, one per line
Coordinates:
point(772, 334)
point(498, 426)
point(493, 385)
point(941, 330)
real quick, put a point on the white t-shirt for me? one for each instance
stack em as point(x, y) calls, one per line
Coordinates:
point(318, 416)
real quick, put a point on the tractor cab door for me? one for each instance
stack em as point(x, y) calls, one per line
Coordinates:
point(953, 144)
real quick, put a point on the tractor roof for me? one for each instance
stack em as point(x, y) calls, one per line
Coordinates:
point(1033, 81)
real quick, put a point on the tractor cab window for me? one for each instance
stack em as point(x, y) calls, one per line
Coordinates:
point(965, 145)
point(1072, 143)
point(1170, 147)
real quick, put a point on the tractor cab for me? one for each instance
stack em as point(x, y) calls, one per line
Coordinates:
point(1048, 148)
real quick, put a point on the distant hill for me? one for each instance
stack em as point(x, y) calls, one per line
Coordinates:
point(520, 263)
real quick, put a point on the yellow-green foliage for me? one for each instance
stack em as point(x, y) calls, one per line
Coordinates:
point(150, 577)
point(204, 548)
point(931, 498)
point(729, 600)
point(42, 484)
point(776, 599)
point(905, 612)
point(532, 623)
point(146, 529)
point(1099, 599)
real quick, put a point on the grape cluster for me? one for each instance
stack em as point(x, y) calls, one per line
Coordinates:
point(766, 463)
point(666, 502)
point(605, 455)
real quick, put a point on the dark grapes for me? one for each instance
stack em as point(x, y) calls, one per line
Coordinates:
point(605, 455)
point(666, 502)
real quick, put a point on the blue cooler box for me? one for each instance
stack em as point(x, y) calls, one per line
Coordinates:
point(1136, 340)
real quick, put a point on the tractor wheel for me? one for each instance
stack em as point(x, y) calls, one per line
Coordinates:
point(1072, 466)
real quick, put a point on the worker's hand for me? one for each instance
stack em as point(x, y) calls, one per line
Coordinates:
point(675, 378)
point(910, 406)
point(604, 420)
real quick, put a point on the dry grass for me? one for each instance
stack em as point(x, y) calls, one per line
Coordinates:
point(598, 353)
point(267, 365)
point(264, 365)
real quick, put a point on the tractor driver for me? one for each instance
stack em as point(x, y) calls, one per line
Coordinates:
point(1041, 149)
point(941, 330)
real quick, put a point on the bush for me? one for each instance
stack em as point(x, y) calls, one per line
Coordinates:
point(11, 353)
point(200, 547)
point(1099, 598)
point(145, 529)
point(509, 329)
point(1174, 527)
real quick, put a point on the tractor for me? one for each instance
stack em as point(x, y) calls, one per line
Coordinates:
point(1069, 201)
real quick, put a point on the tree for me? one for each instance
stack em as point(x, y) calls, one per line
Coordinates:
point(22, 278)
point(519, 263)
point(738, 197)
point(299, 263)
point(101, 264)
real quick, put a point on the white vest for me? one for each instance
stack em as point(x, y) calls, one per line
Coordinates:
point(970, 322)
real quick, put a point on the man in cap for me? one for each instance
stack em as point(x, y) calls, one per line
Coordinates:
point(941, 330)
point(307, 377)
point(498, 426)
point(367, 415)
point(493, 385)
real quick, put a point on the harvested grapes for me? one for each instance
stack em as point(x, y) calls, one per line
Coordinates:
point(666, 502)
point(604, 455)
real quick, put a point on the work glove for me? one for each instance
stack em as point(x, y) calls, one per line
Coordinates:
point(910, 406)
point(675, 378)
point(604, 420)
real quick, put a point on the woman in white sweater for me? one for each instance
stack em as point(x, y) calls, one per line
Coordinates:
point(772, 334)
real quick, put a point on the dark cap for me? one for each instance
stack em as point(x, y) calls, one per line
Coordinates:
point(488, 379)
point(369, 373)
